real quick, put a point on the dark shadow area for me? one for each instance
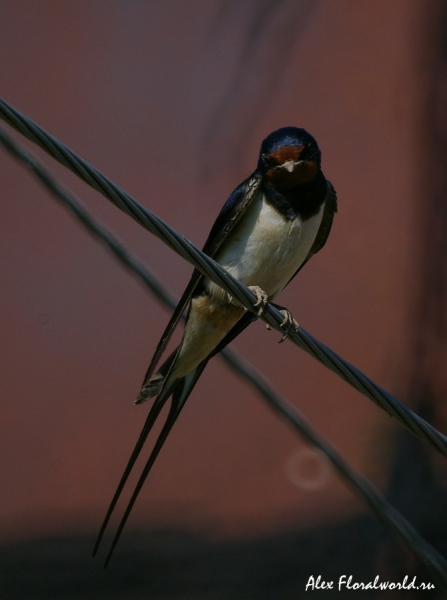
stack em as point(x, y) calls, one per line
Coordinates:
point(181, 565)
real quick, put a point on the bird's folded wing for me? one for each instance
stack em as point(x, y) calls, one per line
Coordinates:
point(232, 211)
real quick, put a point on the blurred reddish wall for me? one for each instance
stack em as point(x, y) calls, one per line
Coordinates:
point(132, 86)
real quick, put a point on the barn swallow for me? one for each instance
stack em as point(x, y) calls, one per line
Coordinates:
point(268, 229)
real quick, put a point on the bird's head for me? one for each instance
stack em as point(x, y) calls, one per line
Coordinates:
point(289, 157)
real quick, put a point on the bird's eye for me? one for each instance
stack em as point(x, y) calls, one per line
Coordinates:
point(267, 160)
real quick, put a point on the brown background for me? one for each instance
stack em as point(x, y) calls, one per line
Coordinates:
point(171, 100)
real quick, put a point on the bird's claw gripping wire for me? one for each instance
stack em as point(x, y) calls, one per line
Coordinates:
point(262, 298)
point(289, 323)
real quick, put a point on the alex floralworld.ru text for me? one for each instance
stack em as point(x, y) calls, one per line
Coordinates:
point(345, 582)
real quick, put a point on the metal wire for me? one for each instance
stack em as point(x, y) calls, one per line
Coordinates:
point(391, 519)
point(415, 424)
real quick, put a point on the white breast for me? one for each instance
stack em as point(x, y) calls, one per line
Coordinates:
point(265, 249)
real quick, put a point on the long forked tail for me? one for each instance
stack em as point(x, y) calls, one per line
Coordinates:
point(180, 391)
point(151, 418)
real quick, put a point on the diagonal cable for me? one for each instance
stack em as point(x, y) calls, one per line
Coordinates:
point(390, 518)
point(415, 424)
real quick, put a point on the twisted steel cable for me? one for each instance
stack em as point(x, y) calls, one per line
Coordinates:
point(390, 518)
point(415, 424)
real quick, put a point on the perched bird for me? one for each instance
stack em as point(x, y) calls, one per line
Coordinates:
point(270, 226)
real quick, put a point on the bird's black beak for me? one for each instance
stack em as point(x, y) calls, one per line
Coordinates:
point(292, 166)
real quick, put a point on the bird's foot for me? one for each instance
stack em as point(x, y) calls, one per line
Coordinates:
point(261, 296)
point(289, 323)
